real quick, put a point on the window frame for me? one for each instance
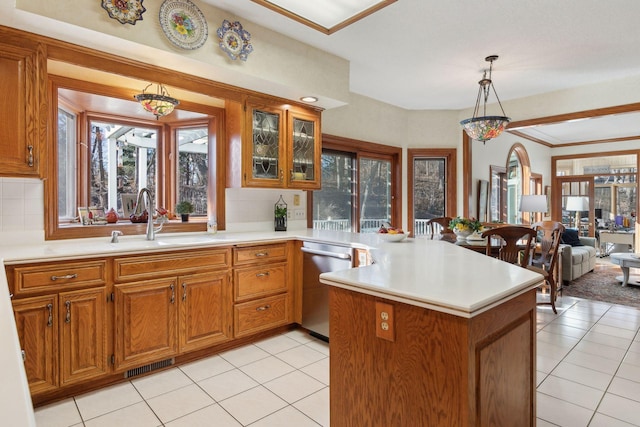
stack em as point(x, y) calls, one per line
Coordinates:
point(55, 229)
point(451, 196)
point(370, 150)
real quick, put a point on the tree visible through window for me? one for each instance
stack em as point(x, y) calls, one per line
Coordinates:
point(358, 186)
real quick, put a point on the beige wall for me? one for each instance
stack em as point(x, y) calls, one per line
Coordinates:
point(288, 68)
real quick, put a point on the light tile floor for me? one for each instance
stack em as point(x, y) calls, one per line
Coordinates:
point(588, 362)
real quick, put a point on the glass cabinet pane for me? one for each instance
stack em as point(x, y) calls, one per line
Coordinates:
point(303, 150)
point(266, 140)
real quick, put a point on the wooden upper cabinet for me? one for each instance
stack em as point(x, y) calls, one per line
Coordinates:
point(22, 107)
point(303, 131)
point(273, 146)
point(264, 147)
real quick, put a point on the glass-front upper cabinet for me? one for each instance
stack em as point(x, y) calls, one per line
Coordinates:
point(303, 131)
point(282, 148)
point(266, 131)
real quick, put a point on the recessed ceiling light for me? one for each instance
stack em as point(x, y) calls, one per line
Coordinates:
point(327, 16)
point(309, 99)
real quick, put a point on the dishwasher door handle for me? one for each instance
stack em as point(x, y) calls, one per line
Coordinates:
point(339, 255)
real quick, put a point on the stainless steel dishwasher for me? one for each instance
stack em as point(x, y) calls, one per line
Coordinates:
point(320, 258)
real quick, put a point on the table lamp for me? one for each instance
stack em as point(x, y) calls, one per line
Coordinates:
point(533, 203)
point(577, 204)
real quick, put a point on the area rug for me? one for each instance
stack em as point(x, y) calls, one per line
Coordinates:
point(601, 285)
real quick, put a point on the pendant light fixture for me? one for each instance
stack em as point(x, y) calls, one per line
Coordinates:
point(159, 104)
point(483, 128)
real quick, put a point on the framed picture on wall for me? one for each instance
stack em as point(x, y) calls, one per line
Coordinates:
point(483, 198)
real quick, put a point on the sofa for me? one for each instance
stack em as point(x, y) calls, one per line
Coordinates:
point(578, 258)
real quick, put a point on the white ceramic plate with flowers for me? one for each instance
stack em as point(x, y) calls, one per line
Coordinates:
point(183, 23)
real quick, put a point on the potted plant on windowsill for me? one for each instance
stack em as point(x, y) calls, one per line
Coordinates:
point(184, 208)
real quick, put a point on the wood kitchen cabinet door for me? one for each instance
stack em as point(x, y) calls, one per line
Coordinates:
point(23, 87)
point(205, 310)
point(146, 318)
point(264, 147)
point(82, 335)
point(37, 324)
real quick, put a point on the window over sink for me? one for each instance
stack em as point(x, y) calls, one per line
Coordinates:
point(108, 148)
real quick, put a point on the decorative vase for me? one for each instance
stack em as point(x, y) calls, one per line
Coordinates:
point(112, 216)
point(184, 217)
point(462, 234)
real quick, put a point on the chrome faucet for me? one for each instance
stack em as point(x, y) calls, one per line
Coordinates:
point(147, 204)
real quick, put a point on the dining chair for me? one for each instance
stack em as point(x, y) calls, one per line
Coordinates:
point(438, 225)
point(545, 261)
point(514, 243)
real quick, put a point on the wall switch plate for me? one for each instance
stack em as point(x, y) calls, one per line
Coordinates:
point(296, 200)
point(385, 321)
point(299, 214)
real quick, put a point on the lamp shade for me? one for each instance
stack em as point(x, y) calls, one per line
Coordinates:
point(159, 104)
point(533, 203)
point(577, 203)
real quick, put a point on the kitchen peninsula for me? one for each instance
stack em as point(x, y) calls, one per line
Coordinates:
point(472, 313)
point(432, 334)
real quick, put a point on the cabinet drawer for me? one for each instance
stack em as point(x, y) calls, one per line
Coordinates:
point(255, 316)
point(33, 279)
point(259, 281)
point(169, 264)
point(254, 254)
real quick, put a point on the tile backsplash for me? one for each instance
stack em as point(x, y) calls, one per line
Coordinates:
point(247, 209)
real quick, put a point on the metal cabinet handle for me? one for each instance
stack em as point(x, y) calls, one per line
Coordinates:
point(173, 293)
point(281, 175)
point(30, 156)
point(291, 176)
point(261, 254)
point(68, 276)
point(266, 273)
point(50, 319)
point(67, 319)
point(184, 292)
point(263, 308)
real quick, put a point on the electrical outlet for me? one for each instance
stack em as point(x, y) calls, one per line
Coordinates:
point(299, 214)
point(385, 328)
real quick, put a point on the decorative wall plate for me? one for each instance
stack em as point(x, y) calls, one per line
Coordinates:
point(124, 11)
point(183, 23)
point(234, 40)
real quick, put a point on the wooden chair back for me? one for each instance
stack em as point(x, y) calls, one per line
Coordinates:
point(438, 225)
point(549, 237)
point(545, 263)
point(515, 243)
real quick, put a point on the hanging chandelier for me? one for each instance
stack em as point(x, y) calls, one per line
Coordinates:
point(484, 128)
point(159, 104)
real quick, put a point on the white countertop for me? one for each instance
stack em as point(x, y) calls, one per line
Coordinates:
point(437, 275)
point(427, 273)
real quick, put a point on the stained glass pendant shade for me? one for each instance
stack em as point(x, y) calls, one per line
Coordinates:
point(483, 128)
point(159, 104)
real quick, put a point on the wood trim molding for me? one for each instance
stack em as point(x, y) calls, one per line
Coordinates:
point(467, 178)
point(289, 14)
point(515, 127)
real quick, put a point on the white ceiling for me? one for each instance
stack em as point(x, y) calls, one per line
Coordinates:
point(428, 54)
